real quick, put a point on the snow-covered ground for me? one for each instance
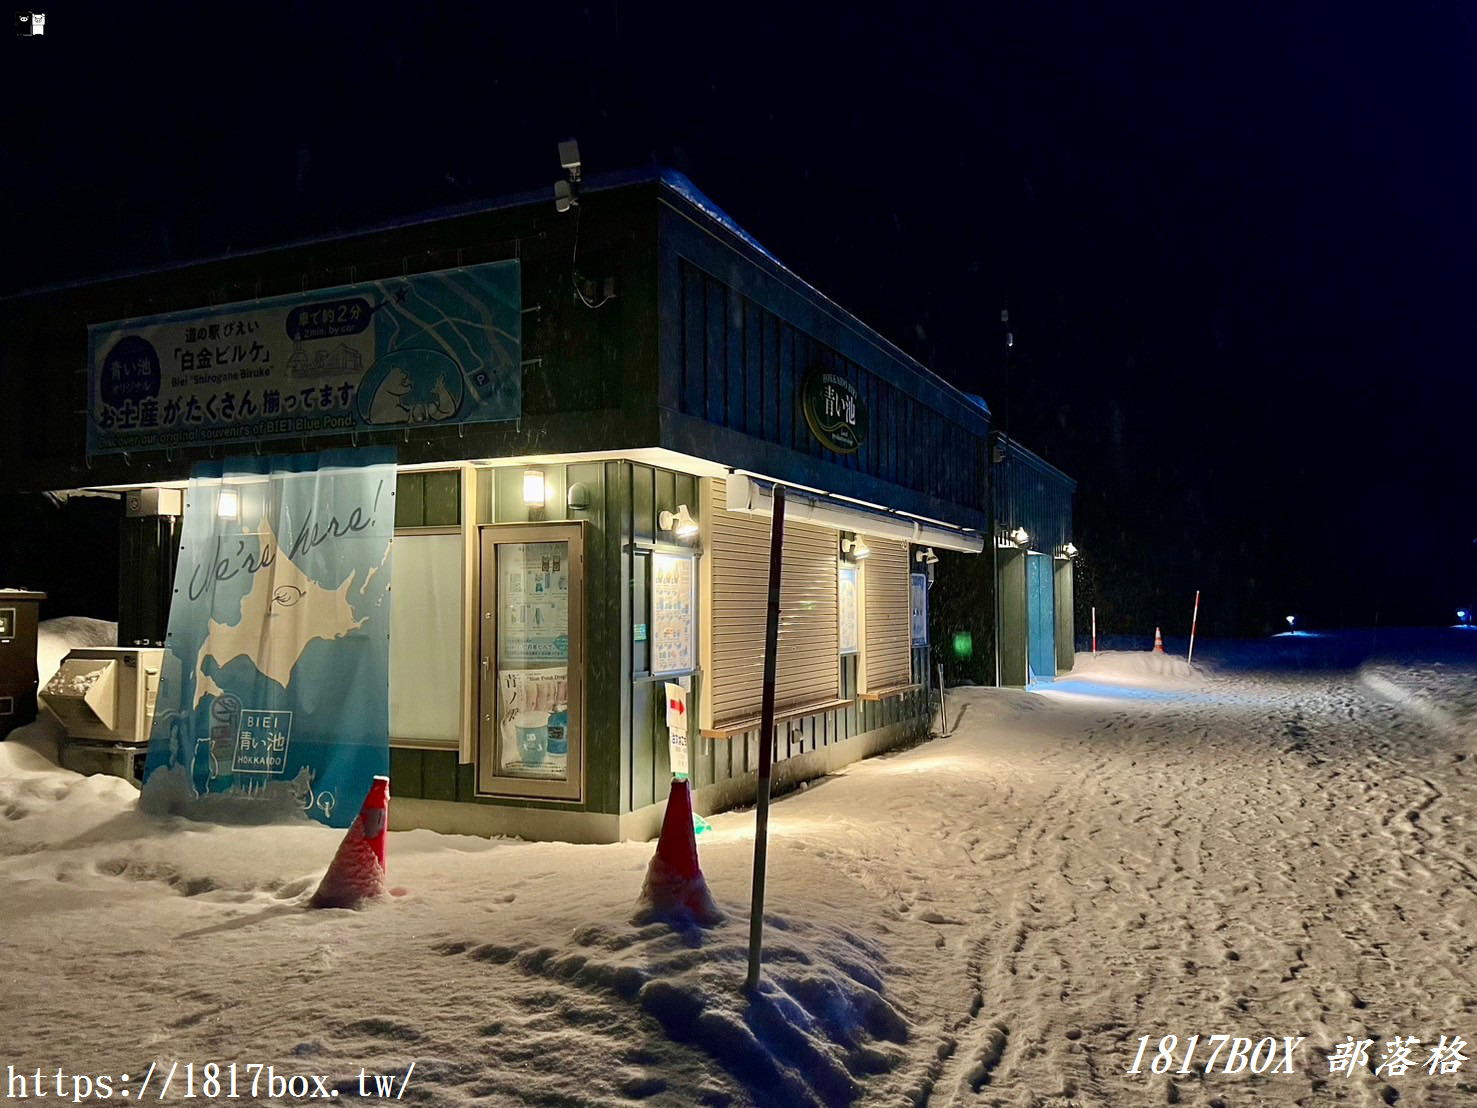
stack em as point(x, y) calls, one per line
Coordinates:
point(994, 917)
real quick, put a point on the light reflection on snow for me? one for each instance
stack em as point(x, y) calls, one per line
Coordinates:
point(1078, 689)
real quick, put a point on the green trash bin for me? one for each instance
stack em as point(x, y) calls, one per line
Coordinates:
point(20, 615)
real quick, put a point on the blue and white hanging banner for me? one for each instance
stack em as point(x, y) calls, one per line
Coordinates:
point(274, 699)
point(434, 348)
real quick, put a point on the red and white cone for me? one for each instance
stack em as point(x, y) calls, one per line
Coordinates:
point(357, 872)
point(1158, 642)
point(675, 889)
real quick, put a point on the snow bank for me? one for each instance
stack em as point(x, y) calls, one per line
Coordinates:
point(995, 916)
point(1139, 668)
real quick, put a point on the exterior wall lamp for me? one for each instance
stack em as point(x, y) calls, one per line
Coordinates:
point(926, 556)
point(855, 548)
point(680, 522)
point(533, 487)
point(1020, 536)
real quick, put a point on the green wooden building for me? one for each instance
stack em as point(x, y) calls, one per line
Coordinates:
point(670, 372)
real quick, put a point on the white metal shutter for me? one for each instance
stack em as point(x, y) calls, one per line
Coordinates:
point(887, 624)
point(808, 669)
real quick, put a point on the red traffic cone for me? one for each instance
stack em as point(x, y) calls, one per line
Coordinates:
point(357, 872)
point(1158, 642)
point(675, 889)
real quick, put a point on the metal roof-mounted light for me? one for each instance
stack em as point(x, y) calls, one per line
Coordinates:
point(680, 522)
point(228, 504)
point(926, 556)
point(533, 488)
point(566, 193)
point(1020, 536)
point(855, 548)
point(1070, 550)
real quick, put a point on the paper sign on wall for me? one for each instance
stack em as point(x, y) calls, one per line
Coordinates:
point(918, 595)
point(672, 622)
point(677, 726)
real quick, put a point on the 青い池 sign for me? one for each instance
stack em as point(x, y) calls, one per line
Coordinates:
point(432, 348)
point(835, 411)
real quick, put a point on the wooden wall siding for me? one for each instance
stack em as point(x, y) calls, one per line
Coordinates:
point(715, 760)
point(589, 376)
point(887, 617)
point(627, 754)
point(809, 646)
point(743, 367)
point(1066, 629)
point(428, 499)
point(436, 774)
point(647, 774)
point(1012, 645)
point(1035, 497)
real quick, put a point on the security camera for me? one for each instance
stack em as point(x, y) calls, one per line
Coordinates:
point(563, 196)
point(569, 158)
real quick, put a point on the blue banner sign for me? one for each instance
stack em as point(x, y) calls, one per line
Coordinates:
point(274, 697)
point(434, 348)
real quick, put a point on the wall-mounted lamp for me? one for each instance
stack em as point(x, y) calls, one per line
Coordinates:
point(228, 504)
point(533, 487)
point(1069, 550)
point(680, 522)
point(1020, 536)
point(855, 548)
point(578, 497)
point(926, 556)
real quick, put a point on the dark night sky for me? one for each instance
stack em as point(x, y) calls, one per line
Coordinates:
point(1237, 244)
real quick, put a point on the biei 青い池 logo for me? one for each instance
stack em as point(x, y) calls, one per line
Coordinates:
point(835, 411)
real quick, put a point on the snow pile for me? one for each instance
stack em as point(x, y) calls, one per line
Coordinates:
point(506, 972)
point(1139, 668)
point(675, 890)
point(32, 748)
point(993, 917)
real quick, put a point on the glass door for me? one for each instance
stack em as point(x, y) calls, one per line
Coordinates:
point(531, 733)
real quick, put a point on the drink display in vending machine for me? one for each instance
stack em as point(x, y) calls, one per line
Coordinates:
point(558, 741)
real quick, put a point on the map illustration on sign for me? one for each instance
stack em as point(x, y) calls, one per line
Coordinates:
point(273, 698)
point(314, 612)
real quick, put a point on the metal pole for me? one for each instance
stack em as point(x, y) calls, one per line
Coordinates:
point(943, 711)
point(1194, 619)
point(766, 737)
